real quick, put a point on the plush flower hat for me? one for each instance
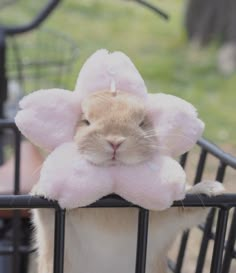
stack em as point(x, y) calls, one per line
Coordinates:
point(48, 118)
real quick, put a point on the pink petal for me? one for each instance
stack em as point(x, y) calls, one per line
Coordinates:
point(68, 178)
point(48, 117)
point(176, 123)
point(103, 67)
point(153, 185)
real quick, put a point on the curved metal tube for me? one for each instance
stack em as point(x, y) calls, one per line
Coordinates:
point(43, 14)
point(217, 152)
point(160, 12)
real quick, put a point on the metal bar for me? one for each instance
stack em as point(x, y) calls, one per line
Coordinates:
point(59, 240)
point(177, 267)
point(221, 172)
point(200, 166)
point(142, 239)
point(155, 9)
point(202, 228)
point(185, 235)
point(205, 240)
point(3, 86)
point(190, 200)
point(181, 252)
point(1, 147)
point(43, 14)
point(29, 202)
point(16, 215)
point(19, 64)
point(17, 162)
point(217, 152)
point(3, 78)
point(7, 124)
point(183, 160)
point(208, 227)
point(8, 250)
point(216, 263)
point(16, 242)
point(229, 250)
point(25, 202)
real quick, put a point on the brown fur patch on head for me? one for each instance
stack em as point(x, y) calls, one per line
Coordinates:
point(120, 108)
point(114, 119)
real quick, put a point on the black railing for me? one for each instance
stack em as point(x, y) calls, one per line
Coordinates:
point(41, 16)
point(224, 203)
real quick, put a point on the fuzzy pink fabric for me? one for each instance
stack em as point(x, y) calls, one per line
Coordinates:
point(176, 122)
point(48, 118)
point(103, 67)
point(75, 182)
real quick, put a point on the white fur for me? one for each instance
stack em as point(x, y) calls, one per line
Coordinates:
point(104, 240)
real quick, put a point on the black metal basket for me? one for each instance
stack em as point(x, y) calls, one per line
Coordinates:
point(37, 60)
point(40, 59)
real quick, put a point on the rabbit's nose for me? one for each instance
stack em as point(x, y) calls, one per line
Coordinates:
point(115, 146)
point(115, 142)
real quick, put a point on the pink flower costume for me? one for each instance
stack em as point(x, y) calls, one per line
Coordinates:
point(49, 117)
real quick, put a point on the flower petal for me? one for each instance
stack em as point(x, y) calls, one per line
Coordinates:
point(103, 69)
point(153, 185)
point(176, 123)
point(48, 117)
point(71, 180)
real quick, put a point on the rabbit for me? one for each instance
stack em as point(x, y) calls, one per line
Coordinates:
point(115, 129)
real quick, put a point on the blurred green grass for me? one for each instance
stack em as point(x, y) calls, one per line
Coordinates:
point(158, 49)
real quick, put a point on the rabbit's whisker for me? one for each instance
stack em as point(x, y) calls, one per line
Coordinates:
point(159, 148)
point(169, 135)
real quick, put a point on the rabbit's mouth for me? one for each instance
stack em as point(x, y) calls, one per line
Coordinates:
point(111, 163)
point(115, 161)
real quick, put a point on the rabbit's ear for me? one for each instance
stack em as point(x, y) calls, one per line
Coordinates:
point(48, 117)
point(105, 71)
point(176, 123)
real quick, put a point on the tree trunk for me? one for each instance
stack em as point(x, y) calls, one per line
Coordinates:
point(211, 19)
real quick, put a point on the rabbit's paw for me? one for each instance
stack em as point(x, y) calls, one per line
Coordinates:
point(209, 188)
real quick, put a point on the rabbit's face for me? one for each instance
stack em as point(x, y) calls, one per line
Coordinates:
point(115, 129)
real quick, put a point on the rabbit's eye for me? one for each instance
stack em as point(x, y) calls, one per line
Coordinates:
point(85, 121)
